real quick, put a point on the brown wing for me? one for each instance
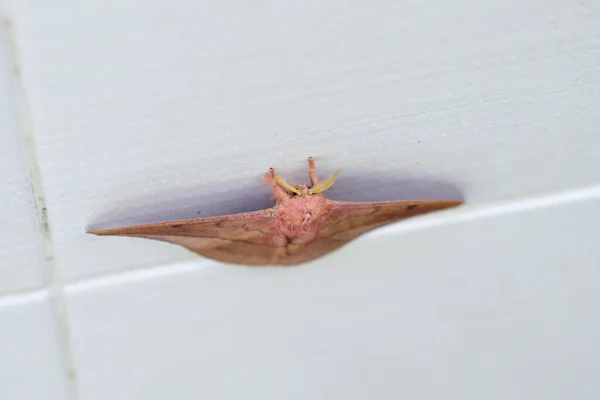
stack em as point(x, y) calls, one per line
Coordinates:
point(254, 238)
point(251, 238)
point(349, 220)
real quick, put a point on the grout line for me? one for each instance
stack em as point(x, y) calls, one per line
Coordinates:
point(12, 300)
point(55, 285)
point(140, 275)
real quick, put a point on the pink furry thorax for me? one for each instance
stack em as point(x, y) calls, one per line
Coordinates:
point(301, 217)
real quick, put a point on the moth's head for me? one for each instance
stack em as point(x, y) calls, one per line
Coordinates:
point(301, 189)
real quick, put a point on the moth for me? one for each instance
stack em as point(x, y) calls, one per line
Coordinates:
point(302, 225)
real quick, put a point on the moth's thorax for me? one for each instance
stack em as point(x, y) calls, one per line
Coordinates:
point(301, 216)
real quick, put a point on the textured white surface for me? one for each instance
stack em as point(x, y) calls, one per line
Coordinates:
point(21, 256)
point(31, 362)
point(148, 111)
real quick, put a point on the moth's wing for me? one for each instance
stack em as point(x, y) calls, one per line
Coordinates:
point(349, 220)
point(251, 238)
point(255, 238)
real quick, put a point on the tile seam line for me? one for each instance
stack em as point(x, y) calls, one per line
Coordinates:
point(55, 286)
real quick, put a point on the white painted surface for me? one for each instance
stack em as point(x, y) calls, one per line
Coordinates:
point(31, 361)
point(143, 112)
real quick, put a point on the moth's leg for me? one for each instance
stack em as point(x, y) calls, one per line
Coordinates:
point(314, 179)
point(279, 193)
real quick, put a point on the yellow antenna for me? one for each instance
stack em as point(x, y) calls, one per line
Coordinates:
point(286, 185)
point(325, 184)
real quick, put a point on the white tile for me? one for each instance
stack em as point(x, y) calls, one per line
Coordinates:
point(21, 255)
point(145, 111)
point(496, 307)
point(31, 363)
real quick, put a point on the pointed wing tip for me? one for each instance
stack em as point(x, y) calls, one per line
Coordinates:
point(120, 231)
point(105, 232)
point(438, 205)
point(454, 203)
point(451, 203)
point(441, 203)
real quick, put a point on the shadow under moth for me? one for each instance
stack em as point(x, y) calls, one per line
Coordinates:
point(302, 225)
